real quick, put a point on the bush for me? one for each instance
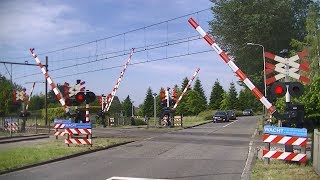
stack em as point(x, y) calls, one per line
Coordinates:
point(207, 114)
point(139, 122)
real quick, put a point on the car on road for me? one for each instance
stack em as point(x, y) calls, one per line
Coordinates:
point(231, 114)
point(247, 112)
point(220, 116)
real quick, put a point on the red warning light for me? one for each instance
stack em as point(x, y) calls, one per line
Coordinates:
point(278, 89)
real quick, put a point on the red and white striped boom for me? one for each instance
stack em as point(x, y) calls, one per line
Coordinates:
point(233, 66)
point(52, 85)
point(116, 87)
point(186, 88)
point(27, 107)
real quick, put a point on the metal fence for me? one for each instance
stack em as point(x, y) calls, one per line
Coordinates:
point(316, 151)
point(17, 126)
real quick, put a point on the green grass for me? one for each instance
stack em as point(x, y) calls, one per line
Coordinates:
point(11, 158)
point(193, 120)
point(279, 170)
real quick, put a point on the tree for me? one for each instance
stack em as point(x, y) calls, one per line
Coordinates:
point(216, 96)
point(247, 100)
point(184, 83)
point(116, 106)
point(127, 107)
point(36, 102)
point(198, 87)
point(195, 103)
point(263, 22)
point(233, 104)
point(53, 98)
point(148, 104)
point(6, 101)
point(225, 103)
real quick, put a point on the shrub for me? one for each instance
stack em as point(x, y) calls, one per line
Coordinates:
point(207, 114)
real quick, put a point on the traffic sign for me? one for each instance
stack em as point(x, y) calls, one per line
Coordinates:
point(10, 120)
point(297, 132)
point(62, 121)
point(78, 125)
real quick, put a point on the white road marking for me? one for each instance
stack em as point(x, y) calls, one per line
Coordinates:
point(248, 157)
point(230, 123)
point(131, 178)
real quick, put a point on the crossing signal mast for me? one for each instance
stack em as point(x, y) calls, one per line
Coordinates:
point(169, 101)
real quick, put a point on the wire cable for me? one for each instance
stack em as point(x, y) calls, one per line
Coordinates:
point(137, 63)
point(116, 35)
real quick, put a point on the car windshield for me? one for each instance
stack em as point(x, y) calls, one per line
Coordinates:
point(247, 110)
point(220, 113)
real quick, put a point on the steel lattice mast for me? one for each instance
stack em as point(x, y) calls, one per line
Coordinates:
point(186, 88)
point(52, 85)
point(116, 87)
point(233, 66)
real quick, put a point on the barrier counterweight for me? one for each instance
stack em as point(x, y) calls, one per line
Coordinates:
point(233, 66)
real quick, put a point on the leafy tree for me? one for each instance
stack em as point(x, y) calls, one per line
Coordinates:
point(225, 103)
point(53, 98)
point(6, 101)
point(127, 107)
point(198, 87)
point(247, 100)
point(270, 24)
point(194, 103)
point(233, 97)
point(216, 96)
point(148, 104)
point(36, 102)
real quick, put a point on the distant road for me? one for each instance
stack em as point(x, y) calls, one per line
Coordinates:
point(211, 151)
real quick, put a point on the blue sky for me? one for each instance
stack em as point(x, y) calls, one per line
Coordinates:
point(56, 25)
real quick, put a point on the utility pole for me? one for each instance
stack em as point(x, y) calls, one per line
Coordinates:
point(46, 96)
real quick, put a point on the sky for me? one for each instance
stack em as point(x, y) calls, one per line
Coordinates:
point(92, 40)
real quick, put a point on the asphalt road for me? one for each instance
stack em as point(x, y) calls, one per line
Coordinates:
point(211, 151)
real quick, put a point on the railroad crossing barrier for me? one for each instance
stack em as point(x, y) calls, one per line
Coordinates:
point(11, 125)
point(177, 121)
point(285, 136)
point(75, 130)
point(59, 126)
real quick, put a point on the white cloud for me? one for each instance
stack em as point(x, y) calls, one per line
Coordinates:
point(26, 21)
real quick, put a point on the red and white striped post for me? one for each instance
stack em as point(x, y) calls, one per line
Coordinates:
point(87, 112)
point(52, 85)
point(186, 88)
point(116, 87)
point(233, 67)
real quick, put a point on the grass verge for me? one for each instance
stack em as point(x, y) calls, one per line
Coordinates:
point(12, 158)
point(193, 120)
point(279, 170)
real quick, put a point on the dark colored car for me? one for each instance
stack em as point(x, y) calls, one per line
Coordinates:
point(247, 112)
point(221, 116)
point(231, 114)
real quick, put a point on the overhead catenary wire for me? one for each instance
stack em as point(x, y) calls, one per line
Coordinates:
point(116, 35)
point(137, 63)
point(138, 50)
